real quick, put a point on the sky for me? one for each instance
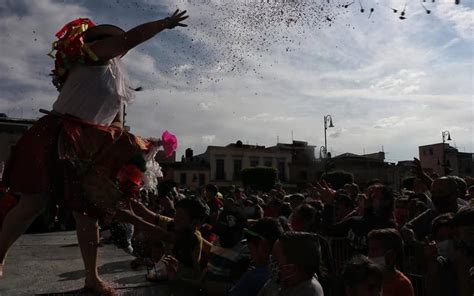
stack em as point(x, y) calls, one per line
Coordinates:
point(262, 71)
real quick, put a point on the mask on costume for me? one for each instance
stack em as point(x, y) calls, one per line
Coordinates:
point(379, 261)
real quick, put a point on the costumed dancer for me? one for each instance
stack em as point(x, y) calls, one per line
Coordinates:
point(79, 152)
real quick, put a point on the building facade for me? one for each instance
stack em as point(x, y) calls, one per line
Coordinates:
point(365, 167)
point(227, 162)
point(442, 159)
point(11, 130)
point(303, 166)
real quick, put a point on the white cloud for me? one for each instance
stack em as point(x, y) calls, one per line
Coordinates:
point(404, 82)
point(460, 17)
point(208, 139)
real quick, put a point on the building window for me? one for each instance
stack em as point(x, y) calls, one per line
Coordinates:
point(431, 151)
point(424, 151)
point(182, 179)
point(237, 169)
point(220, 170)
point(282, 171)
point(268, 162)
point(202, 179)
point(254, 161)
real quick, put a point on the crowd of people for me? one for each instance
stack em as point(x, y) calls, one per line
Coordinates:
point(320, 241)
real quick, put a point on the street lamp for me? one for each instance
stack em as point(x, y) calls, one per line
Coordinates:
point(327, 120)
point(446, 137)
point(322, 152)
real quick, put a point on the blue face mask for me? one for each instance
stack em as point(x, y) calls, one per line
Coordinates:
point(249, 211)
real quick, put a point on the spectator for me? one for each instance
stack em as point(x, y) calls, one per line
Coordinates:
point(378, 213)
point(307, 219)
point(451, 265)
point(401, 211)
point(442, 228)
point(462, 187)
point(182, 232)
point(252, 210)
point(229, 256)
point(352, 190)
point(386, 249)
point(362, 277)
point(440, 256)
point(296, 200)
point(273, 208)
point(344, 207)
point(463, 222)
point(213, 201)
point(260, 239)
point(445, 193)
point(304, 218)
point(470, 193)
point(294, 264)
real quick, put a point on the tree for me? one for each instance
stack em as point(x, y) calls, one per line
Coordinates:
point(259, 178)
point(338, 179)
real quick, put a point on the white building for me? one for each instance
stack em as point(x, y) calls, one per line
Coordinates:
point(227, 162)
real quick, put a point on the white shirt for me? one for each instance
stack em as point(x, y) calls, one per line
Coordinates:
point(94, 93)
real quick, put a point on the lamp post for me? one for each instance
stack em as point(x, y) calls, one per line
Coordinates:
point(322, 152)
point(327, 120)
point(446, 136)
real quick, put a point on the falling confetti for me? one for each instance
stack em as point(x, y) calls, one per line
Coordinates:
point(230, 33)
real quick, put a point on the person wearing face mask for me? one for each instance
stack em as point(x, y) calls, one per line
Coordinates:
point(445, 193)
point(294, 265)
point(260, 239)
point(377, 214)
point(440, 256)
point(307, 219)
point(229, 255)
point(386, 249)
point(463, 222)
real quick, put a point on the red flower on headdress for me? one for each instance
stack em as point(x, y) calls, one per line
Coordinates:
point(169, 142)
point(70, 49)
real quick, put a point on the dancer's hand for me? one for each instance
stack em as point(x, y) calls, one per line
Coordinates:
point(176, 19)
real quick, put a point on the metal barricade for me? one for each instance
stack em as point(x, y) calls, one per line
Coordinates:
point(418, 282)
point(341, 251)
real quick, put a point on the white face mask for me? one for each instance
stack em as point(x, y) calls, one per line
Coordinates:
point(445, 248)
point(379, 261)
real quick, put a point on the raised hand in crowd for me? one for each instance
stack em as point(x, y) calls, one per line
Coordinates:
point(326, 193)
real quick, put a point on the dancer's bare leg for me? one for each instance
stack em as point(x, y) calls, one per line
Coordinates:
point(88, 238)
point(18, 220)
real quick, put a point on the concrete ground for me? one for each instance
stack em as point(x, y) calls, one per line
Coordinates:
point(51, 264)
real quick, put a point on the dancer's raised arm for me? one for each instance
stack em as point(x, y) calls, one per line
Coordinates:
point(110, 48)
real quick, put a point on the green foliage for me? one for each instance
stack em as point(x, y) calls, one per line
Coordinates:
point(338, 179)
point(259, 178)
